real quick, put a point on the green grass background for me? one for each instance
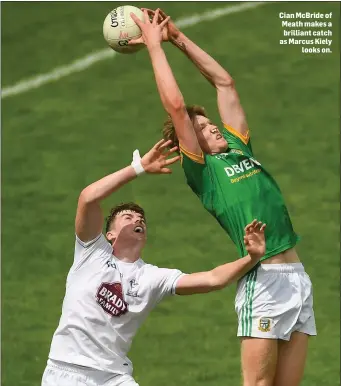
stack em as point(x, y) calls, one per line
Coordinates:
point(67, 134)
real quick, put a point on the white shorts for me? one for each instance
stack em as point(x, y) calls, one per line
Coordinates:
point(64, 374)
point(275, 300)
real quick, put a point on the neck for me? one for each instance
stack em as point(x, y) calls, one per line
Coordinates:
point(128, 254)
point(218, 152)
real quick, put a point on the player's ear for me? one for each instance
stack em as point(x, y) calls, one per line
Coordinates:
point(111, 237)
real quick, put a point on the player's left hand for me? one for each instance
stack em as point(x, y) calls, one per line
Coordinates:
point(254, 239)
point(151, 29)
point(170, 31)
point(156, 162)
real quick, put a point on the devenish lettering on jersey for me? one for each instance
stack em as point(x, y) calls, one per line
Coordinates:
point(243, 166)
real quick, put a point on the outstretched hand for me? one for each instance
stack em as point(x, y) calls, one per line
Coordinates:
point(170, 31)
point(151, 29)
point(254, 239)
point(156, 162)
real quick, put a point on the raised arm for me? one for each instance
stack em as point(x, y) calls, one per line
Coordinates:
point(169, 91)
point(89, 217)
point(224, 275)
point(230, 109)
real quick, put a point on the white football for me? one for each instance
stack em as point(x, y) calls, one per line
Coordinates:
point(119, 28)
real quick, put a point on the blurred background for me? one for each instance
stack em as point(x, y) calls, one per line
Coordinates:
point(63, 135)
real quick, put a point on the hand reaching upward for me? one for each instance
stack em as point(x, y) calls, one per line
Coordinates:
point(156, 162)
point(152, 34)
point(254, 239)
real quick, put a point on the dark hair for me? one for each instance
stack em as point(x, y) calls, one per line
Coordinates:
point(120, 208)
point(168, 130)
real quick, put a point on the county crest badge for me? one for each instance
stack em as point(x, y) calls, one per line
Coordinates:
point(264, 324)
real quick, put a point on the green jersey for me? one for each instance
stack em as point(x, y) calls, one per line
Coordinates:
point(235, 188)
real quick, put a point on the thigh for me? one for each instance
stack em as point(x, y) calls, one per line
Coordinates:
point(259, 361)
point(291, 360)
point(306, 320)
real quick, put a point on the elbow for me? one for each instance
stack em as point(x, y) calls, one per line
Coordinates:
point(86, 196)
point(225, 82)
point(175, 105)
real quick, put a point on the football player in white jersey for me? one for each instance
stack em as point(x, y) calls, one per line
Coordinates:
point(110, 290)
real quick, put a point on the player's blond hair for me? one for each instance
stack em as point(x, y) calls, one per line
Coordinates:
point(168, 130)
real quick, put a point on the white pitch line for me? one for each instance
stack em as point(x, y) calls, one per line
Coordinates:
point(87, 61)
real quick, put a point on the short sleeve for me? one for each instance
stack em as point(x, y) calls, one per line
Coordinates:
point(163, 282)
point(194, 168)
point(236, 140)
point(85, 250)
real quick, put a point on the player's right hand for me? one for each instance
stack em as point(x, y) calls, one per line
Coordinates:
point(254, 239)
point(151, 29)
point(171, 31)
point(156, 162)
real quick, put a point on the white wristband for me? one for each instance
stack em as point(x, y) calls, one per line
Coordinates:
point(136, 163)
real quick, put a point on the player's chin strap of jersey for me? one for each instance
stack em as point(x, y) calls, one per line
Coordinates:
point(136, 163)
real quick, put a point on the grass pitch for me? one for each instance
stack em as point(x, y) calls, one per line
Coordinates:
point(60, 137)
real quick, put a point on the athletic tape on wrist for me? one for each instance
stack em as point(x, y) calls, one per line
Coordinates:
point(136, 163)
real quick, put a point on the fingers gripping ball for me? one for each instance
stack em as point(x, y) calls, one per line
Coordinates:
point(119, 28)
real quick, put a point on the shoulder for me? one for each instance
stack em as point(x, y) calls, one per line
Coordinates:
point(98, 243)
point(85, 252)
point(156, 273)
point(230, 132)
point(147, 268)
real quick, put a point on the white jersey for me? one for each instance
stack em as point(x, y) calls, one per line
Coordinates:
point(105, 303)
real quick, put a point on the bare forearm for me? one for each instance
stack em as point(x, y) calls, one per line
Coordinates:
point(169, 91)
point(210, 68)
point(102, 188)
point(226, 274)
point(218, 278)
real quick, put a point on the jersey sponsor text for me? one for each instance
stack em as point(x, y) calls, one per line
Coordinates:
point(241, 167)
point(110, 298)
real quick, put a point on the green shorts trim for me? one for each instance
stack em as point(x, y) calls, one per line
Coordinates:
point(246, 311)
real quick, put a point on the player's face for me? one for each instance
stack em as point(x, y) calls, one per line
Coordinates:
point(209, 137)
point(132, 224)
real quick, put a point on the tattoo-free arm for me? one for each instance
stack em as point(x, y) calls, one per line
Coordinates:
point(218, 278)
point(230, 109)
point(89, 217)
point(173, 101)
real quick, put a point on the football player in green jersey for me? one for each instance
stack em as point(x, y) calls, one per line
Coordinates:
point(274, 302)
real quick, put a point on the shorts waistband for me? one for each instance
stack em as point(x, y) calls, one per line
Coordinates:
point(70, 367)
point(89, 375)
point(281, 268)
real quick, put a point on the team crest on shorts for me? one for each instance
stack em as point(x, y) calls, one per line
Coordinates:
point(264, 324)
point(110, 298)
